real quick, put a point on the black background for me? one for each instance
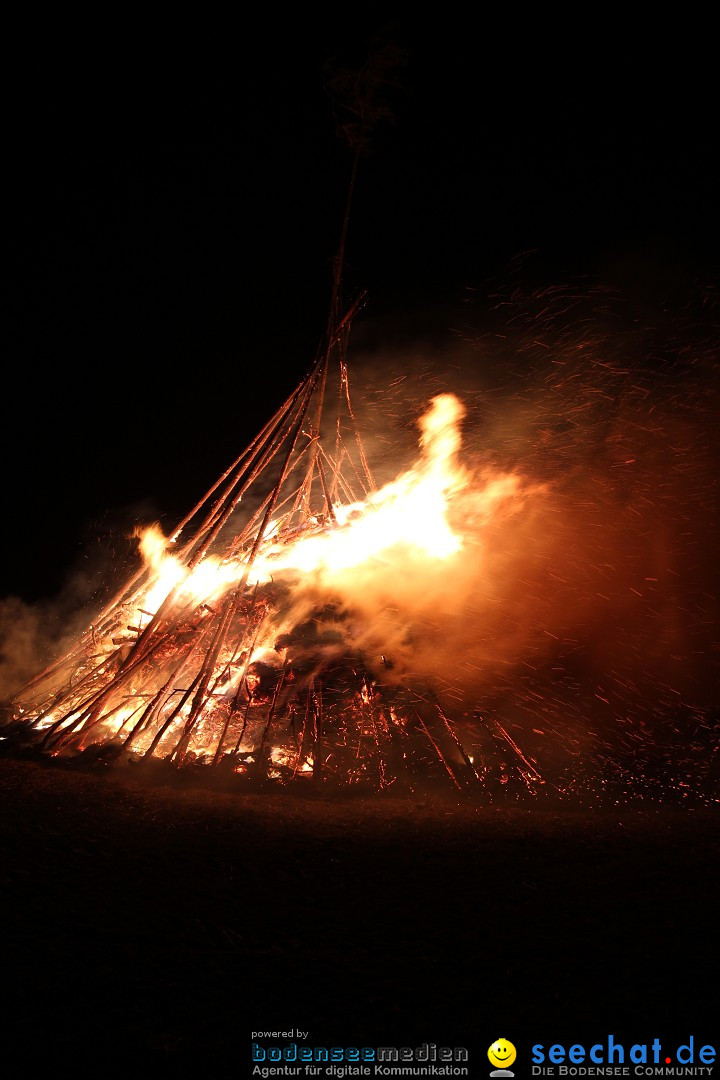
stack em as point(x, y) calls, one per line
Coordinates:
point(171, 205)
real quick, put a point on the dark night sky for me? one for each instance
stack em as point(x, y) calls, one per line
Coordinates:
point(171, 208)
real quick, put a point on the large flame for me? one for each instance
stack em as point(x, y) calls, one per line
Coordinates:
point(411, 511)
point(408, 516)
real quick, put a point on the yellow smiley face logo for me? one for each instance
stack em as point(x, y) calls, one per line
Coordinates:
point(502, 1053)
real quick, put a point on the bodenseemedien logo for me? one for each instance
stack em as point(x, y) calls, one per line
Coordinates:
point(502, 1054)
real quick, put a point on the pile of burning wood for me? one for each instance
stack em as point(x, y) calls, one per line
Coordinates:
point(207, 657)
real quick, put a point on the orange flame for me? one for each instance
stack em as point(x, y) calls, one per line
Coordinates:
point(407, 515)
point(410, 511)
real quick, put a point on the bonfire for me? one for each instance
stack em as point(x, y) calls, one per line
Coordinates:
point(235, 644)
point(232, 644)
